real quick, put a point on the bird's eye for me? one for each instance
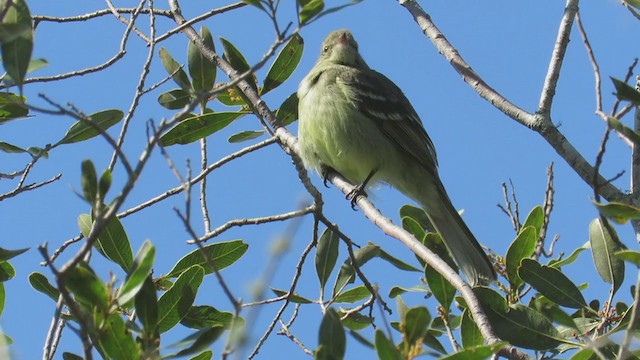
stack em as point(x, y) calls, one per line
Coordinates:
point(325, 49)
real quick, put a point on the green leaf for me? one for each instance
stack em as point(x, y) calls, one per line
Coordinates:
point(442, 290)
point(8, 148)
point(399, 264)
point(198, 127)
point(238, 62)
point(631, 256)
point(222, 254)
point(92, 126)
point(399, 290)
point(245, 135)
point(519, 325)
point(104, 184)
point(332, 337)
point(626, 92)
point(309, 9)
point(557, 263)
point(86, 287)
point(116, 341)
point(255, 3)
point(551, 283)
point(469, 332)
point(40, 283)
point(287, 113)
point(624, 130)
point(71, 356)
point(9, 254)
point(2, 298)
point(12, 107)
point(205, 355)
point(89, 182)
point(604, 244)
point(634, 3)
point(480, 352)
point(326, 255)
point(535, 219)
point(230, 96)
point(418, 215)
point(385, 348)
point(416, 323)
point(175, 70)
point(137, 273)
point(522, 247)
point(618, 212)
point(203, 339)
point(113, 242)
point(295, 298)
point(34, 64)
point(174, 99)
point(347, 272)
point(7, 272)
point(202, 71)
point(174, 304)
point(352, 295)
point(16, 53)
point(355, 321)
point(146, 303)
point(552, 311)
point(284, 65)
point(205, 317)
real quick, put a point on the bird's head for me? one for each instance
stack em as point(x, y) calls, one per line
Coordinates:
point(341, 48)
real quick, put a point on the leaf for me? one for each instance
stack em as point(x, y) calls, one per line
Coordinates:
point(626, 92)
point(138, 273)
point(113, 242)
point(205, 355)
point(40, 283)
point(295, 298)
point(469, 332)
point(634, 3)
point(556, 263)
point(551, 283)
point(618, 212)
point(16, 53)
point(355, 321)
point(332, 337)
point(146, 303)
point(398, 290)
point(385, 348)
point(255, 3)
point(245, 135)
point(238, 62)
point(629, 133)
point(480, 352)
point(522, 247)
point(326, 255)
point(174, 304)
point(604, 244)
point(10, 254)
point(198, 127)
point(552, 311)
point(418, 215)
point(287, 113)
point(201, 69)
point(104, 184)
point(204, 338)
point(535, 219)
point(174, 69)
point(631, 256)
point(285, 63)
point(416, 323)
point(71, 356)
point(12, 107)
point(347, 272)
point(86, 287)
point(399, 264)
point(116, 340)
point(89, 183)
point(7, 272)
point(174, 99)
point(8, 148)
point(222, 254)
point(205, 316)
point(309, 9)
point(442, 290)
point(92, 126)
point(352, 295)
point(519, 325)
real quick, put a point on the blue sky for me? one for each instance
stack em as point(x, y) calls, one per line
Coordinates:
point(507, 43)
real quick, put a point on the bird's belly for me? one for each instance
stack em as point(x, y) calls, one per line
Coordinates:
point(333, 133)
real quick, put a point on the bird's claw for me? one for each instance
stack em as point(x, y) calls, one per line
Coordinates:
point(354, 194)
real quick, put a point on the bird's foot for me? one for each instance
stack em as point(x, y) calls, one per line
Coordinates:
point(324, 173)
point(356, 193)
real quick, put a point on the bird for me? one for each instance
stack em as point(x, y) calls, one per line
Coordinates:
point(356, 121)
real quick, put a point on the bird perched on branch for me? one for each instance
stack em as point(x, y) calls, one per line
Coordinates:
point(358, 122)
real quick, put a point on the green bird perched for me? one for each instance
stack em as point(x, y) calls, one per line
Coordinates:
point(359, 123)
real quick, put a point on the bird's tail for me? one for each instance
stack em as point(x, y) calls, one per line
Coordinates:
point(461, 243)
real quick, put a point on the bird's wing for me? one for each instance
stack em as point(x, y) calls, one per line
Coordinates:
point(382, 101)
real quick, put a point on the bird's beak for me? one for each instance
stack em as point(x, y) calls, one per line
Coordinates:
point(343, 39)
